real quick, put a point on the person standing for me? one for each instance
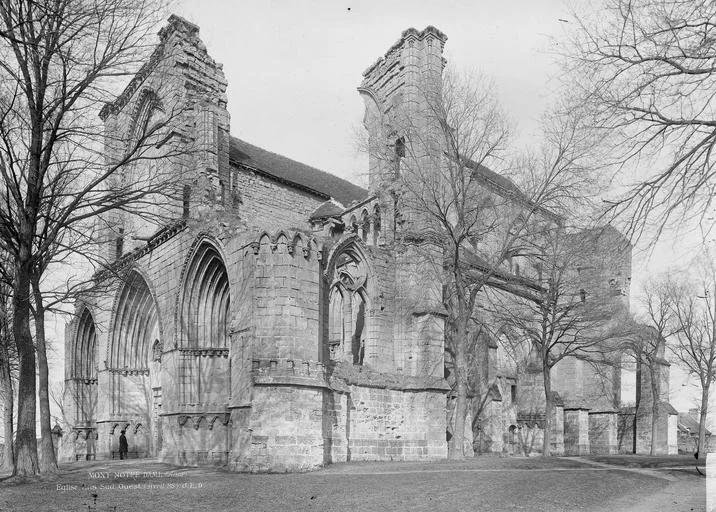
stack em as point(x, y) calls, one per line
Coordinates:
point(123, 446)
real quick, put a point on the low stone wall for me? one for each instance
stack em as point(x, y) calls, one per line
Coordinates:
point(387, 424)
point(576, 432)
point(603, 432)
point(625, 432)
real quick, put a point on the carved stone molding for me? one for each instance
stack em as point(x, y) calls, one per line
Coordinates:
point(205, 352)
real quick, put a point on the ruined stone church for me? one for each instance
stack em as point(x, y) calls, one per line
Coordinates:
point(275, 324)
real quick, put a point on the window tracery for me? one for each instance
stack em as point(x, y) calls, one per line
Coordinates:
point(348, 306)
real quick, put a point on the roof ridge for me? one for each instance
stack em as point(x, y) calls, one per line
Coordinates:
point(293, 172)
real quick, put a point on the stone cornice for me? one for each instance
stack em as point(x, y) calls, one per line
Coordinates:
point(129, 371)
point(205, 352)
point(176, 24)
point(155, 241)
point(408, 36)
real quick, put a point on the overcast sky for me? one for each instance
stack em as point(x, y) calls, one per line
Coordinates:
point(293, 67)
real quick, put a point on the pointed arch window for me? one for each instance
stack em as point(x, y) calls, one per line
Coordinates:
point(84, 370)
point(85, 345)
point(348, 309)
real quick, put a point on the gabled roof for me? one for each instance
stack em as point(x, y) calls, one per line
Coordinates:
point(687, 422)
point(328, 209)
point(505, 187)
point(494, 179)
point(294, 173)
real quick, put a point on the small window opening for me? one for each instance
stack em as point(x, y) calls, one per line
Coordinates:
point(235, 196)
point(119, 248)
point(185, 201)
point(365, 226)
point(400, 148)
point(583, 295)
point(358, 341)
point(513, 393)
point(376, 225)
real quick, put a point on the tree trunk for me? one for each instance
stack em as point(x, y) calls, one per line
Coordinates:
point(548, 411)
point(701, 449)
point(457, 442)
point(654, 408)
point(26, 462)
point(6, 394)
point(48, 461)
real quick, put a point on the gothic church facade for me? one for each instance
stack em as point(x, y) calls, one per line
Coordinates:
point(276, 323)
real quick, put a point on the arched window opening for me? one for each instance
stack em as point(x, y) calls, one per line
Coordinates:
point(84, 370)
point(348, 306)
point(365, 226)
point(400, 148)
point(84, 366)
point(119, 247)
point(376, 225)
point(205, 305)
point(235, 196)
point(186, 197)
point(335, 323)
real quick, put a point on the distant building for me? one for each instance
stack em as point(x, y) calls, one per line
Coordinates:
point(688, 426)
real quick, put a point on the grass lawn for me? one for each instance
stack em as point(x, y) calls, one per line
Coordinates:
point(484, 483)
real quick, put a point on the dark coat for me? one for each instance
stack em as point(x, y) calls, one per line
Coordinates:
point(123, 446)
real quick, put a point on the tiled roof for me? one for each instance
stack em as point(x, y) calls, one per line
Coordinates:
point(686, 421)
point(327, 209)
point(495, 179)
point(504, 186)
point(294, 173)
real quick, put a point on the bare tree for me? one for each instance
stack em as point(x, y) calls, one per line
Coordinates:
point(8, 371)
point(58, 63)
point(444, 182)
point(467, 221)
point(694, 311)
point(647, 343)
point(559, 319)
point(645, 69)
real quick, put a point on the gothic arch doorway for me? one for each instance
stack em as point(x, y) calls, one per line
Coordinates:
point(134, 378)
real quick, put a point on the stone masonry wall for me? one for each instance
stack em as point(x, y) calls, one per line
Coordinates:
point(287, 430)
point(286, 298)
point(386, 424)
point(269, 204)
point(603, 433)
point(576, 432)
